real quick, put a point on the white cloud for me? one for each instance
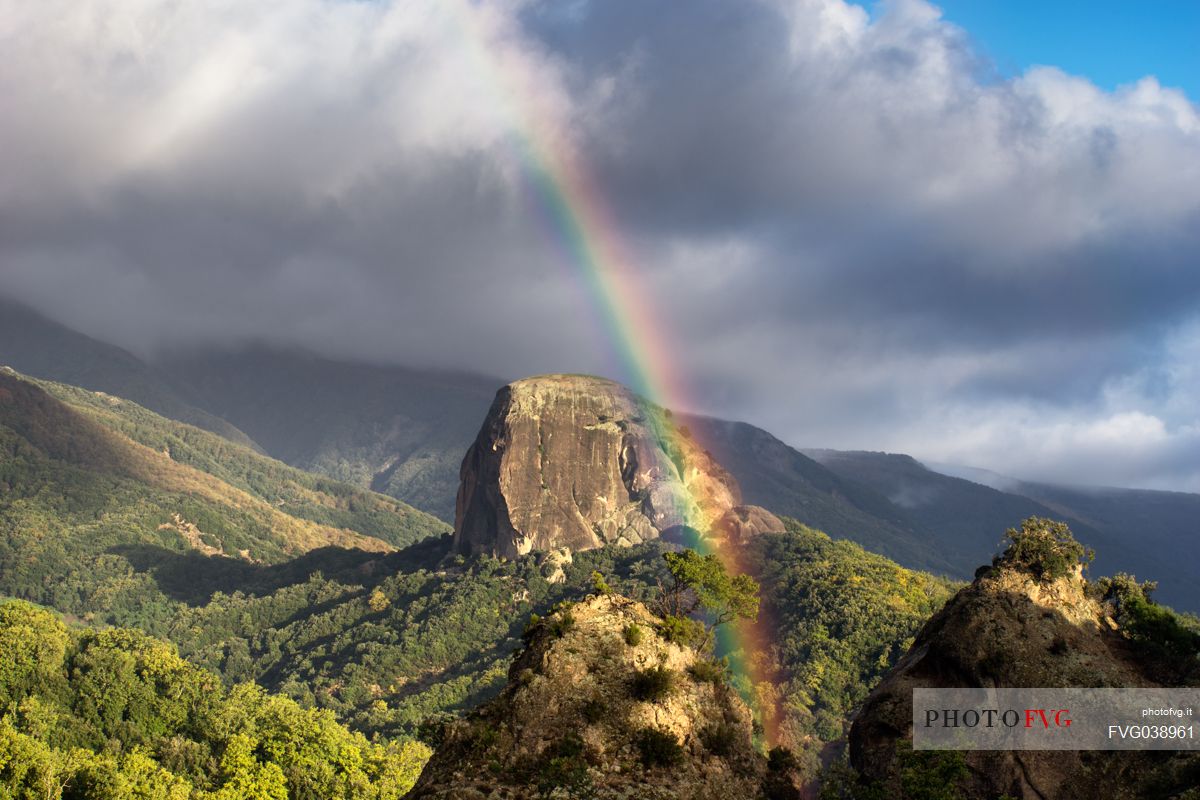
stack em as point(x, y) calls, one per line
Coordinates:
point(1128, 448)
point(850, 231)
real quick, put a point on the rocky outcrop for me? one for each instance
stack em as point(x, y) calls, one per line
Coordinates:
point(1008, 629)
point(581, 462)
point(580, 718)
point(744, 522)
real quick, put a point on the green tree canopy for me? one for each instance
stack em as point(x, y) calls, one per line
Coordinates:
point(1044, 548)
point(703, 582)
point(116, 713)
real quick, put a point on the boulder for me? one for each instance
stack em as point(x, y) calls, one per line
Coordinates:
point(744, 522)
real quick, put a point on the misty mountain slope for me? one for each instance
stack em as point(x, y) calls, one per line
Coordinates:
point(37, 346)
point(965, 518)
point(94, 490)
point(289, 490)
point(1145, 533)
point(402, 432)
point(788, 482)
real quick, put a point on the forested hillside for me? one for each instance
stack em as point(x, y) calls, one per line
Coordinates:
point(1144, 532)
point(96, 493)
point(390, 641)
point(292, 491)
point(115, 714)
point(403, 432)
point(34, 345)
point(337, 599)
point(117, 515)
point(349, 606)
point(841, 618)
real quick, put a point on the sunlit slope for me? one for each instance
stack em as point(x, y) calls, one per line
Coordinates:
point(85, 477)
point(35, 345)
point(115, 714)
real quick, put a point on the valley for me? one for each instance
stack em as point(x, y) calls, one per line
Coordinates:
point(593, 400)
point(244, 575)
point(403, 432)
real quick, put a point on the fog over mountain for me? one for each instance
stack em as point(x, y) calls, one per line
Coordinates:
point(851, 230)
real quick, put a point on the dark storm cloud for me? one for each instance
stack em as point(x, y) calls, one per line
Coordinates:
point(851, 231)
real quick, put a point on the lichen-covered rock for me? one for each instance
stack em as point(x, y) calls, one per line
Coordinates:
point(580, 462)
point(1008, 629)
point(576, 720)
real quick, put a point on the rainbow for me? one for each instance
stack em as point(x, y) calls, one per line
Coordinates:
point(580, 224)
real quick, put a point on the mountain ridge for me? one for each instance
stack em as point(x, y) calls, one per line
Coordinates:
point(1133, 530)
point(396, 430)
point(403, 432)
point(33, 344)
point(87, 476)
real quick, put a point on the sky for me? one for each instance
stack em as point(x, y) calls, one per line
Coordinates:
point(971, 237)
point(1111, 42)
